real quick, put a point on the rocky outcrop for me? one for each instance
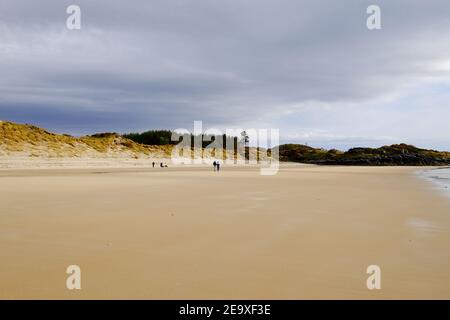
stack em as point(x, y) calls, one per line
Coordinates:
point(394, 155)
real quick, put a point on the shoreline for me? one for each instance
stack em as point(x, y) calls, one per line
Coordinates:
point(438, 178)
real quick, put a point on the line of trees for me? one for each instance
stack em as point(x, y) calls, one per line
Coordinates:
point(164, 137)
point(152, 137)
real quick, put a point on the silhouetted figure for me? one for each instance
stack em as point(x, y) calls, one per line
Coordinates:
point(153, 164)
point(161, 165)
point(218, 165)
point(214, 164)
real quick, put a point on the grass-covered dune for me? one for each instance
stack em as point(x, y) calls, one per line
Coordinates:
point(31, 141)
point(393, 155)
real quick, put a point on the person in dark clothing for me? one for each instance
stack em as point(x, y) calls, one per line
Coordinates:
point(214, 164)
point(161, 165)
point(153, 164)
point(218, 165)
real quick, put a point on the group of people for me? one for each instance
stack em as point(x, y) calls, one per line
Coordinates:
point(161, 165)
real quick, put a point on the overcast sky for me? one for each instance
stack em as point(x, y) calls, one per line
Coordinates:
point(308, 67)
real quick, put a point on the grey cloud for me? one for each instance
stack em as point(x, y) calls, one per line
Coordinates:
point(228, 63)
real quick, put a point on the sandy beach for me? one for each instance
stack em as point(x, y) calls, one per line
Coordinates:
point(190, 233)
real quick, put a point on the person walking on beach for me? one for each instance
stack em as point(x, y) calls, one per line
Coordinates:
point(153, 164)
point(218, 165)
point(214, 164)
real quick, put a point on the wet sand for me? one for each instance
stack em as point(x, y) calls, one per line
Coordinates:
point(190, 233)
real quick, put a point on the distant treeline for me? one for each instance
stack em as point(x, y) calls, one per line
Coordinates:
point(164, 137)
point(152, 137)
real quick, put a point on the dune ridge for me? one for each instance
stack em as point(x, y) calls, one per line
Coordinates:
point(24, 140)
point(28, 146)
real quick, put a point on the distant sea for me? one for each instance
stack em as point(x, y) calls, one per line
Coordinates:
point(440, 177)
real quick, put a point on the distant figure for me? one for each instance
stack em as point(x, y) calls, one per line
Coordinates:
point(214, 164)
point(153, 164)
point(161, 165)
point(218, 165)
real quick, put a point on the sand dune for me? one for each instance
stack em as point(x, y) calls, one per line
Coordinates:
point(24, 146)
point(189, 233)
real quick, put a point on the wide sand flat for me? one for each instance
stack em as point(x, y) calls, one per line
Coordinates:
point(188, 233)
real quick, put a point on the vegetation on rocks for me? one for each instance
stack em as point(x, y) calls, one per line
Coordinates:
point(397, 154)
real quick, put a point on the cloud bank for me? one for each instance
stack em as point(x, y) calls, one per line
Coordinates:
point(310, 68)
